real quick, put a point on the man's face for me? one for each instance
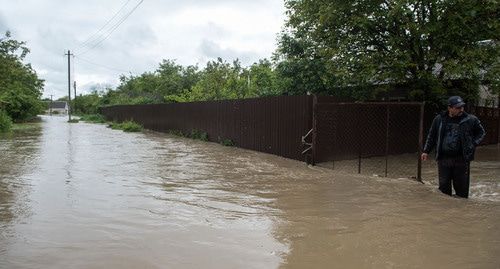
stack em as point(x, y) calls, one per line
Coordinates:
point(455, 111)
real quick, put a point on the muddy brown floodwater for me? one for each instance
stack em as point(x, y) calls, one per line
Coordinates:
point(85, 196)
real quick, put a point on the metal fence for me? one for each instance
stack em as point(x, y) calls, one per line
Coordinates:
point(490, 119)
point(373, 138)
point(270, 124)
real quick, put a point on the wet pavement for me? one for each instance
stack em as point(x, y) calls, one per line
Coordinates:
point(85, 196)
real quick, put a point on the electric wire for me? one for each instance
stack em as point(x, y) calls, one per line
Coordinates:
point(100, 36)
point(112, 29)
point(101, 65)
point(94, 36)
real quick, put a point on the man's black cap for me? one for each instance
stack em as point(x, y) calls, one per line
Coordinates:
point(456, 101)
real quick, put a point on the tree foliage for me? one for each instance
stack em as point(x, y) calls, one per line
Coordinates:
point(20, 87)
point(429, 46)
point(87, 104)
point(171, 83)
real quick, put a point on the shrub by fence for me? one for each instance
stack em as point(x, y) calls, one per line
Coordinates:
point(271, 124)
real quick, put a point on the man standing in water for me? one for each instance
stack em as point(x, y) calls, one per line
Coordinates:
point(455, 134)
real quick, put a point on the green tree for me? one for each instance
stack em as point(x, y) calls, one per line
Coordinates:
point(20, 87)
point(166, 84)
point(262, 79)
point(216, 82)
point(299, 68)
point(427, 45)
point(174, 83)
point(221, 80)
point(178, 80)
point(87, 104)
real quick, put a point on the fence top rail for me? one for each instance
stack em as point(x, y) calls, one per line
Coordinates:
point(374, 104)
point(223, 101)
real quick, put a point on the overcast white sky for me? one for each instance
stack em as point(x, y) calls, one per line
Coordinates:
point(190, 32)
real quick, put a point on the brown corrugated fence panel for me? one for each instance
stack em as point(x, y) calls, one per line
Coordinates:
point(270, 124)
point(490, 119)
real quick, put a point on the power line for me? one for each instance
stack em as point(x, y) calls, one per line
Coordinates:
point(113, 28)
point(98, 37)
point(95, 35)
point(102, 66)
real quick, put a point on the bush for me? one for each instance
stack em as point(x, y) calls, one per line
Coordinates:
point(195, 134)
point(21, 107)
point(74, 121)
point(226, 142)
point(5, 122)
point(95, 118)
point(126, 126)
point(200, 135)
point(130, 126)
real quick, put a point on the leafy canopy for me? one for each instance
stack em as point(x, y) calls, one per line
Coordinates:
point(20, 87)
point(429, 46)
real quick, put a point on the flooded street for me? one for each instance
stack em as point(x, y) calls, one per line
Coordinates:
point(85, 196)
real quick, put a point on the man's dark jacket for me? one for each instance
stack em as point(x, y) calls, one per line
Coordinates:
point(471, 134)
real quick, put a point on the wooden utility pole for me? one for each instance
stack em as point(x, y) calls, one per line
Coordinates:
point(69, 84)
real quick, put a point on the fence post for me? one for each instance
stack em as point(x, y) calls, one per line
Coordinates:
point(497, 114)
point(315, 130)
point(358, 132)
point(420, 141)
point(386, 137)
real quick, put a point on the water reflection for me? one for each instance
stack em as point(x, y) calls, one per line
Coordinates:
point(18, 156)
point(106, 199)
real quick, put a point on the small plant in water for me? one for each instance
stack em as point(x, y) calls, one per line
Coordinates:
point(126, 126)
point(195, 134)
point(74, 121)
point(200, 135)
point(226, 142)
point(94, 118)
point(130, 126)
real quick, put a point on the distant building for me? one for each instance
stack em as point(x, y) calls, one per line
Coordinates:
point(58, 107)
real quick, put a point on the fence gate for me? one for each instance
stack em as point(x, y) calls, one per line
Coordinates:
point(382, 139)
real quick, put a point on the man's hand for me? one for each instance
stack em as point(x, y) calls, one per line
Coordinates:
point(424, 156)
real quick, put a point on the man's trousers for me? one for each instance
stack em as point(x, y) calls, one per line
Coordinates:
point(456, 172)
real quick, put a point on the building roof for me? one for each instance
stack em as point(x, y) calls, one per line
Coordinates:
point(58, 104)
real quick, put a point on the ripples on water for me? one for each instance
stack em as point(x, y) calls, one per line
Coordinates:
point(85, 196)
point(485, 174)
